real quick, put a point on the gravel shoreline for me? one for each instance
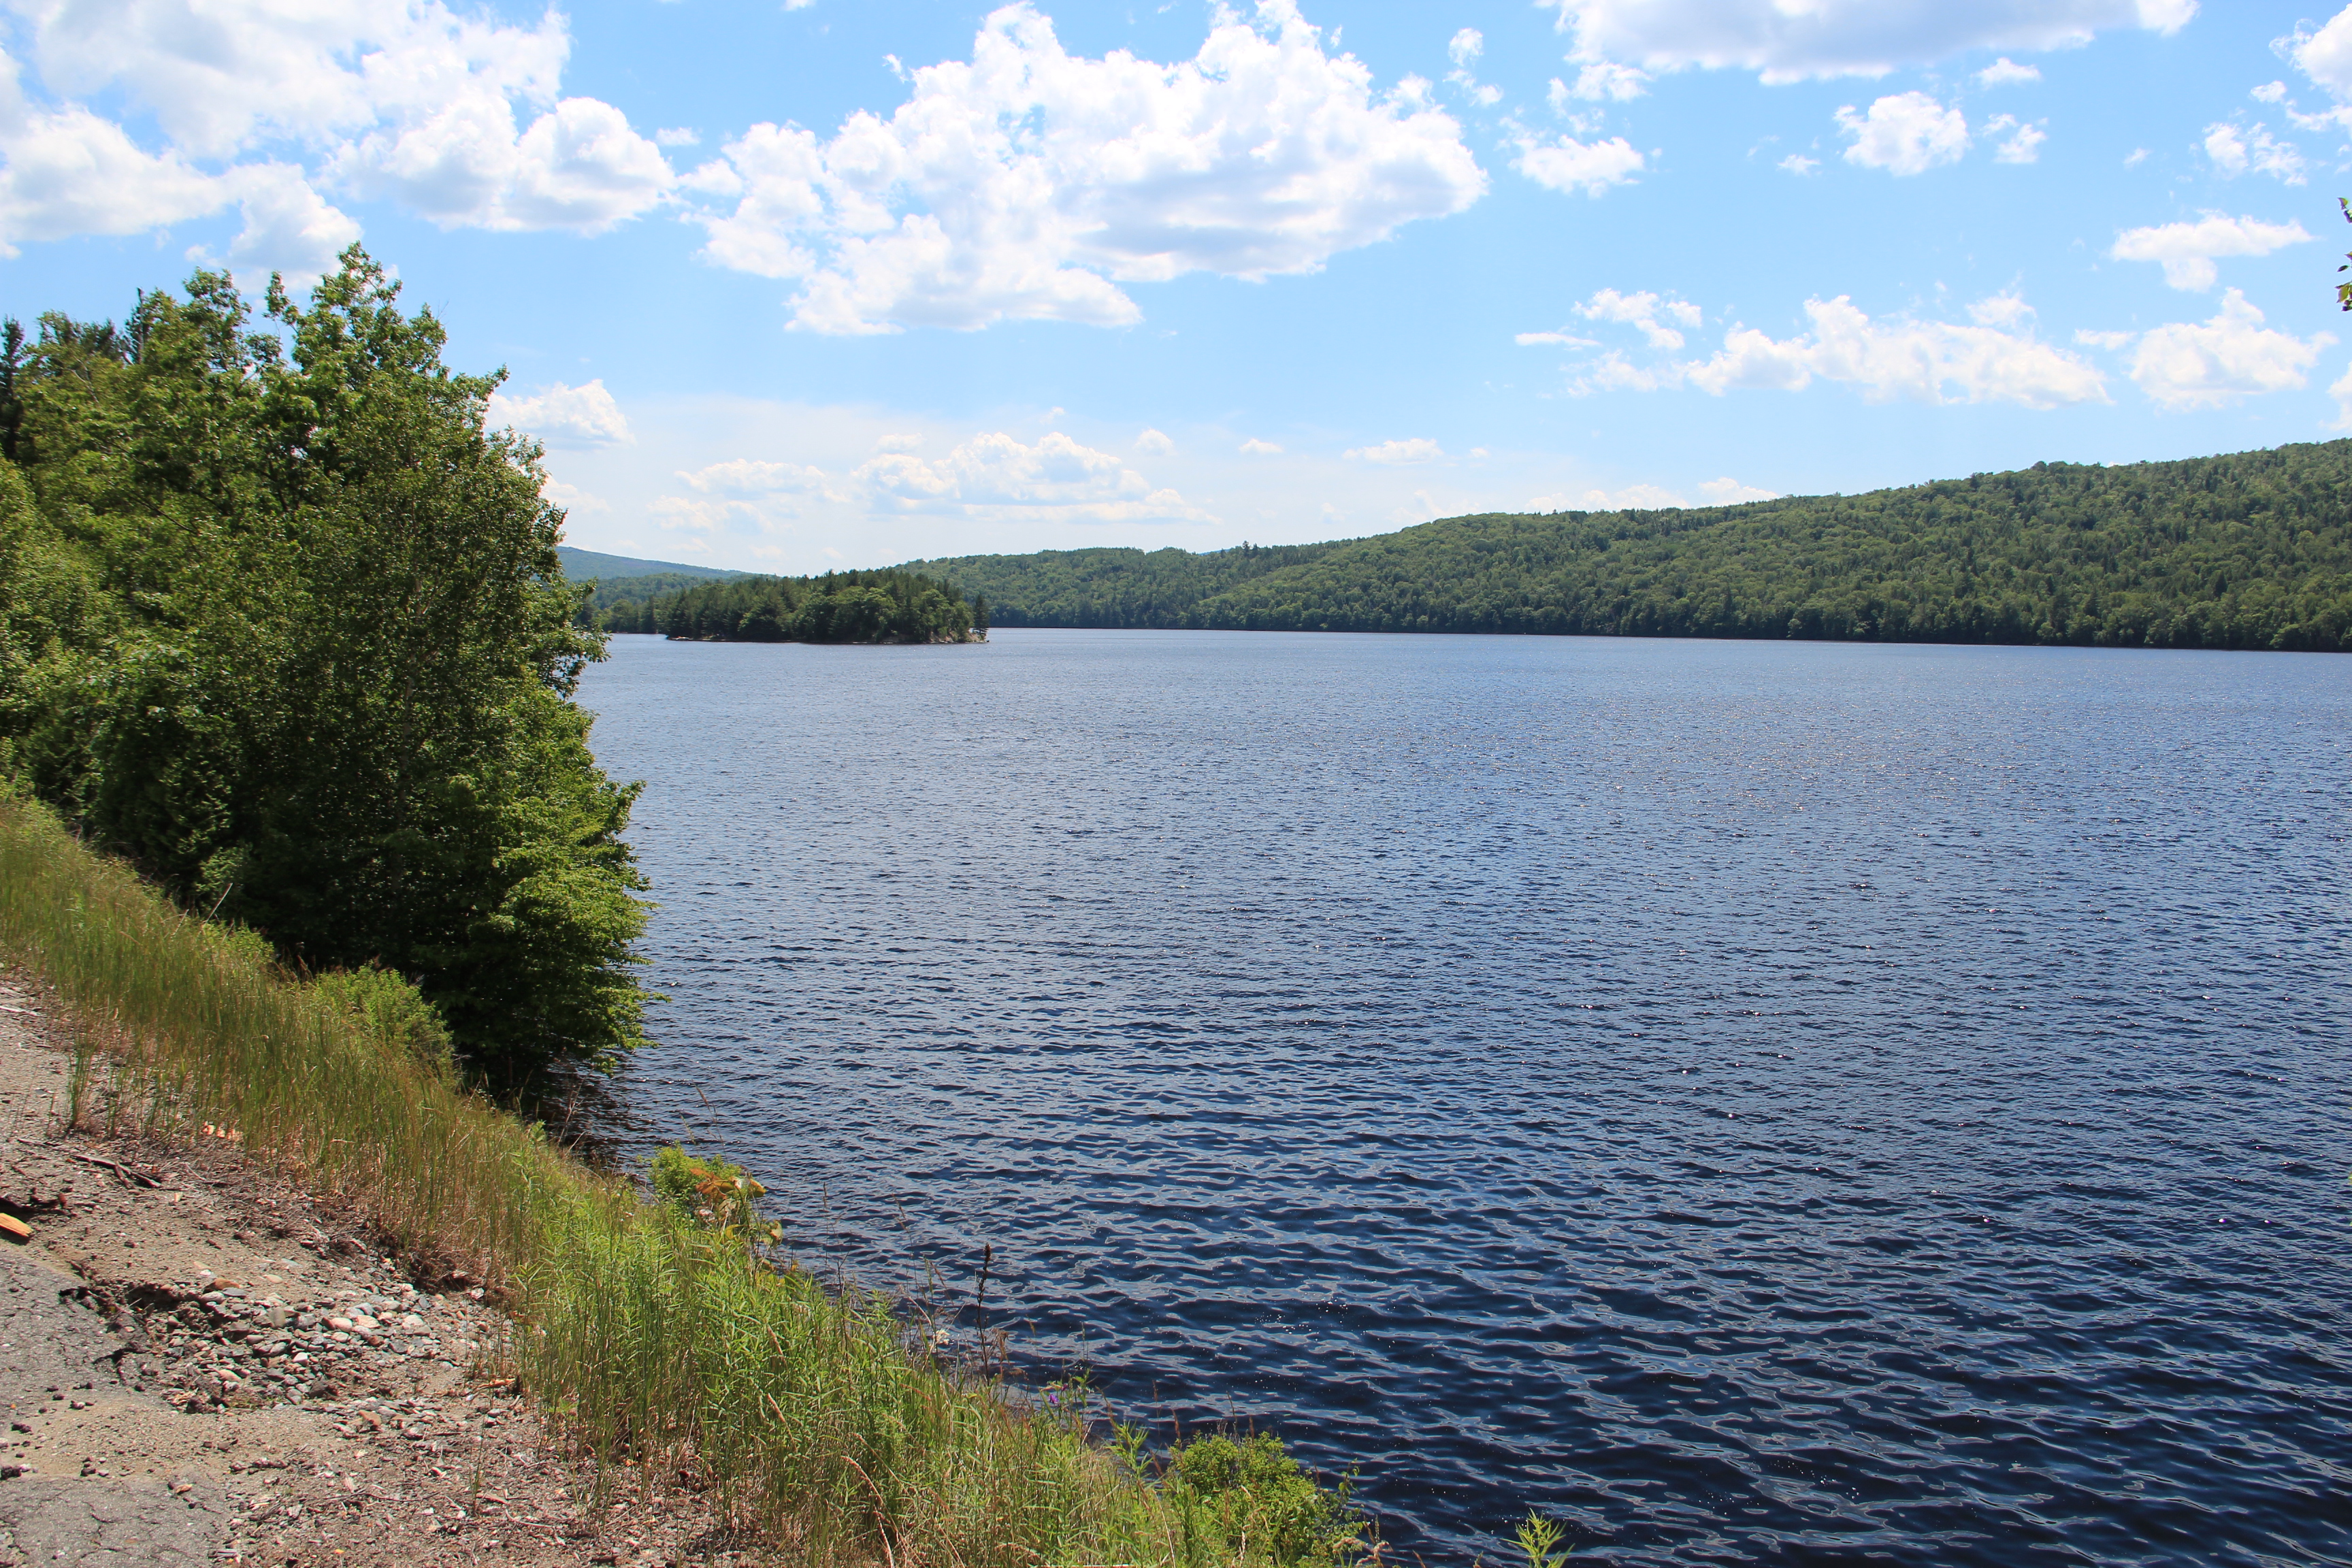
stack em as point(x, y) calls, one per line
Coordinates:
point(202, 1365)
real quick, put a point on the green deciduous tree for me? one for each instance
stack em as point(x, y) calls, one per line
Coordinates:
point(280, 619)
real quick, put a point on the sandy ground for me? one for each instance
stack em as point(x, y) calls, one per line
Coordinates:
point(199, 1366)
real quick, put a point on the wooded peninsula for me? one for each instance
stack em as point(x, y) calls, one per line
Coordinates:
point(886, 606)
point(2253, 550)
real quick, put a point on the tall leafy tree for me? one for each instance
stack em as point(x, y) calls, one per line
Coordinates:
point(320, 674)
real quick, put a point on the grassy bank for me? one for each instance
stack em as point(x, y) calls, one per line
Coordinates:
point(817, 1415)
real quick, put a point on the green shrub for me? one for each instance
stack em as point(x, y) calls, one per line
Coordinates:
point(706, 1189)
point(389, 1009)
point(1253, 1492)
point(1537, 1537)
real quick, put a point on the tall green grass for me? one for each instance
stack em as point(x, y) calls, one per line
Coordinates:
point(818, 1416)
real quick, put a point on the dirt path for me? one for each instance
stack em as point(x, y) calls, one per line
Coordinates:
point(198, 1365)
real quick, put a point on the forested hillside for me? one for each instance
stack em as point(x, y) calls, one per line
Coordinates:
point(1110, 588)
point(890, 606)
point(282, 622)
point(2248, 551)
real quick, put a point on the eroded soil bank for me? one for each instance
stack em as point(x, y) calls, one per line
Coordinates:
point(199, 1366)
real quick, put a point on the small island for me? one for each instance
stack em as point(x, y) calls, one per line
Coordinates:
point(886, 606)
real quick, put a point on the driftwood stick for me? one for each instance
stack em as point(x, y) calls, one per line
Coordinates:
point(123, 1170)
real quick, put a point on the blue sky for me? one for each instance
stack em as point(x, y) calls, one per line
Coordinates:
point(787, 287)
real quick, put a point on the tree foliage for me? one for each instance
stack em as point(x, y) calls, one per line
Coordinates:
point(618, 604)
point(1112, 587)
point(280, 620)
point(2249, 551)
point(892, 606)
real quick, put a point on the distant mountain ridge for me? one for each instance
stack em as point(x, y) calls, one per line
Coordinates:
point(590, 566)
point(2250, 549)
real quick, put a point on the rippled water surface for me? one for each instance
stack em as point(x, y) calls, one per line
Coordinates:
point(1758, 1102)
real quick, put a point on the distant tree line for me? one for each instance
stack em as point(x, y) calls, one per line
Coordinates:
point(2248, 551)
point(886, 606)
point(282, 622)
point(617, 604)
point(1113, 587)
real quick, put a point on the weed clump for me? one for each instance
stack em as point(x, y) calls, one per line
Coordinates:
point(386, 1007)
point(702, 1187)
point(1254, 1491)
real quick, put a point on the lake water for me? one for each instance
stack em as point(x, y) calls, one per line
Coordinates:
point(1757, 1102)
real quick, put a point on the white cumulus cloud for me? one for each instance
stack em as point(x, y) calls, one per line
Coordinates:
point(2237, 149)
point(2007, 72)
point(2325, 55)
point(1796, 41)
point(289, 226)
point(747, 477)
point(1253, 447)
point(1567, 165)
point(1417, 449)
point(1643, 309)
point(70, 171)
point(2022, 143)
point(1928, 362)
point(67, 170)
point(998, 476)
point(577, 166)
point(1154, 444)
point(1728, 491)
point(2003, 309)
point(459, 117)
point(220, 75)
point(1653, 497)
point(565, 416)
point(1028, 183)
point(572, 498)
point(2213, 363)
point(1905, 133)
point(2188, 251)
point(1613, 372)
point(744, 495)
point(2342, 392)
point(1464, 50)
point(1644, 497)
point(692, 515)
point(1600, 81)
